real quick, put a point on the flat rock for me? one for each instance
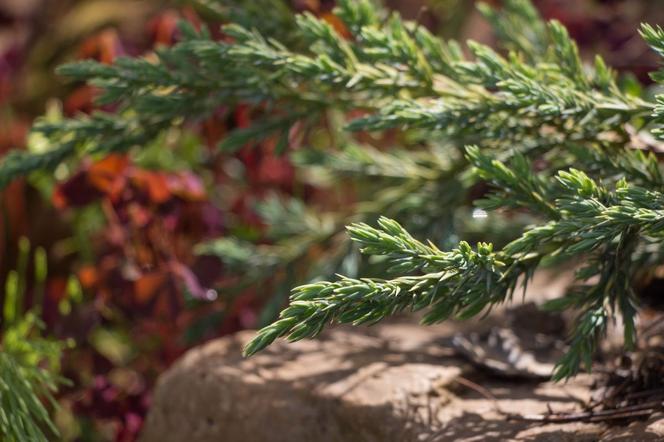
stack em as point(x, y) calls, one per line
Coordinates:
point(394, 382)
point(638, 431)
point(344, 386)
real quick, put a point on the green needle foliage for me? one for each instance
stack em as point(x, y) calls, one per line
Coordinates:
point(28, 361)
point(26, 386)
point(562, 149)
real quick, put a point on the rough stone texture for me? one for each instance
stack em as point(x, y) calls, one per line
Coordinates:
point(396, 382)
point(343, 387)
point(639, 431)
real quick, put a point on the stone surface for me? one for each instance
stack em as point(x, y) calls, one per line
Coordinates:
point(639, 431)
point(343, 387)
point(395, 382)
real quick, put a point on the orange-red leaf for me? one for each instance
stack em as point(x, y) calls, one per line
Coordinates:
point(147, 285)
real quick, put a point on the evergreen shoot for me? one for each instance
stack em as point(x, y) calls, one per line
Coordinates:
point(567, 156)
point(29, 361)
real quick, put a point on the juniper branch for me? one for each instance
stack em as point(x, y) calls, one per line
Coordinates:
point(488, 99)
point(365, 161)
point(536, 102)
point(654, 36)
point(593, 221)
point(361, 301)
point(26, 381)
